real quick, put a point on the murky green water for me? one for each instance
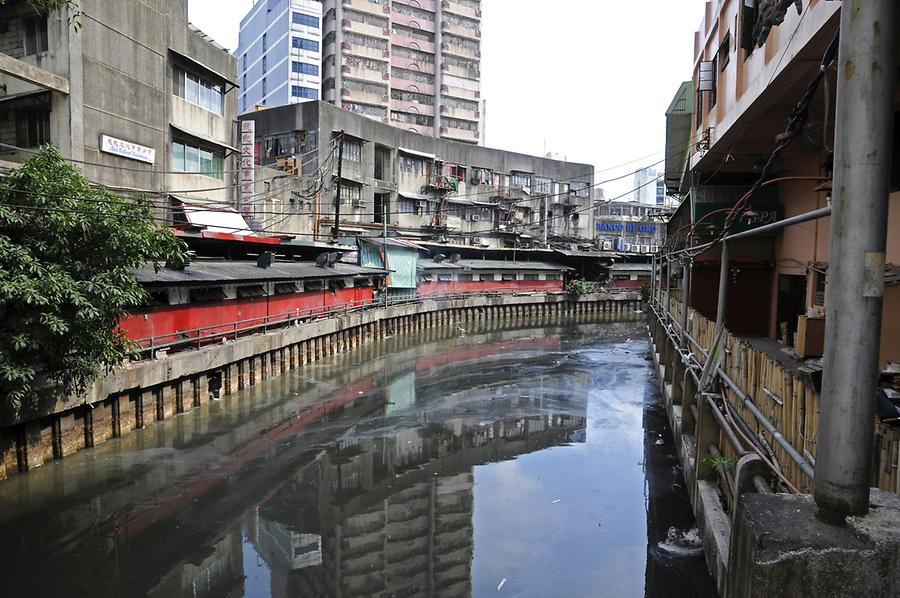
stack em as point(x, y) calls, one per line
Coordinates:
point(531, 462)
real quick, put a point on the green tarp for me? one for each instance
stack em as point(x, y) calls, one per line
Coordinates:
point(401, 262)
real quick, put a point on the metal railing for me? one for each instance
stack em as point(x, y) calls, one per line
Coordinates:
point(213, 333)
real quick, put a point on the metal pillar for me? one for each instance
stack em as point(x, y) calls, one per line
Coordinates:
point(724, 269)
point(686, 272)
point(652, 279)
point(862, 166)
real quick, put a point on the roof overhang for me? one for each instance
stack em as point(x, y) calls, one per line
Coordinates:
point(201, 137)
point(199, 65)
point(425, 155)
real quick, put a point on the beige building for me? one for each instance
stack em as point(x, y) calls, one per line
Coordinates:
point(415, 64)
point(748, 76)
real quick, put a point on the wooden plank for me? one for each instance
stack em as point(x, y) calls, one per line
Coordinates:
point(32, 74)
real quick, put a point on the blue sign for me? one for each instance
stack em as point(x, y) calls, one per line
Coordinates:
point(627, 227)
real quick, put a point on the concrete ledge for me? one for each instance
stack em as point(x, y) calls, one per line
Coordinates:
point(715, 529)
point(781, 549)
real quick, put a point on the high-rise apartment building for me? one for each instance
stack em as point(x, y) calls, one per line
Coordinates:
point(279, 53)
point(415, 64)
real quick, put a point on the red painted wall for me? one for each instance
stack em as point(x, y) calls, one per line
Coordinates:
point(163, 323)
point(431, 288)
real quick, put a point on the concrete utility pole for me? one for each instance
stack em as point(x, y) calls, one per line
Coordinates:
point(862, 166)
point(335, 232)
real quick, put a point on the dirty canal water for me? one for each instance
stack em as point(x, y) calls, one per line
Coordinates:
point(516, 462)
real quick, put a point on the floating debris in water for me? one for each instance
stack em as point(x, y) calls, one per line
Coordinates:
point(686, 543)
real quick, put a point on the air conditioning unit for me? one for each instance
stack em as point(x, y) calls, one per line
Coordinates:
point(645, 249)
point(627, 246)
point(607, 245)
point(358, 203)
point(654, 249)
point(474, 218)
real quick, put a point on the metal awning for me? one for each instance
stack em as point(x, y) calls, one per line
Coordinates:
point(200, 65)
point(411, 195)
point(417, 153)
point(202, 137)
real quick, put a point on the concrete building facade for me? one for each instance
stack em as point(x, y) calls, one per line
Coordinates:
point(423, 187)
point(630, 227)
point(280, 53)
point(721, 136)
point(139, 96)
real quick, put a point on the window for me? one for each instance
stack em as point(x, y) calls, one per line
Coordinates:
point(299, 91)
point(531, 277)
point(508, 276)
point(305, 44)
point(445, 278)
point(264, 94)
point(244, 59)
point(715, 83)
point(748, 21)
point(485, 277)
point(265, 45)
point(198, 91)
point(465, 277)
point(520, 180)
point(406, 206)
point(305, 68)
point(725, 51)
point(193, 159)
point(306, 20)
point(410, 165)
point(32, 126)
point(350, 193)
point(264, 68)
point(553, 277)
point(352, 150)
point(35, 35)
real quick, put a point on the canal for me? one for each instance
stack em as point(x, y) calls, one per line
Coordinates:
point(510, 462)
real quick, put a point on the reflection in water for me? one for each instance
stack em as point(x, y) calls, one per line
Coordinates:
point(410, 468)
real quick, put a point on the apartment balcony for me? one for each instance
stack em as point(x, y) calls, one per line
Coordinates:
point(464, 135)
point(473, 34)
point(366, 29)
point(461, 113)
point(460, 51)
point(364, 74)
point(461, 93)
point(364, 51)
point(429, 5)
point(459, 71)
point(380, 8)
point(458, 9)
point(408, 42)
point(412, 107)
point(365, 97)
point(414, 22)
point(411, 64)
point(407, 85)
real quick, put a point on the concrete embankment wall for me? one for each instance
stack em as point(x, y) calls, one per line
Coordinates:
point(142, 393)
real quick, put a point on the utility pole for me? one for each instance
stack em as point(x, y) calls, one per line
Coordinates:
point(335, 232)
point(384, 246)
point(862, 167)
point(546, 220)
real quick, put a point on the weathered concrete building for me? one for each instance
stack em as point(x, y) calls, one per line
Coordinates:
point(630, 227)
point(420, 186)
point(139, 96)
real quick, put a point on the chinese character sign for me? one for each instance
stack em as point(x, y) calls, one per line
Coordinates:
point(248, 149)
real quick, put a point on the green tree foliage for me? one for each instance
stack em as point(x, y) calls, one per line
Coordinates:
point(67, 254)
point(579, 286)
point(48, 6)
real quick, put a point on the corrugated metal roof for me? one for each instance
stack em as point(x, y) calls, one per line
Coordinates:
point(490, 265)
point(390, 241)
point(200, 273)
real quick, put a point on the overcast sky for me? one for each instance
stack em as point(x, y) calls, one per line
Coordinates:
point(587, 79)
